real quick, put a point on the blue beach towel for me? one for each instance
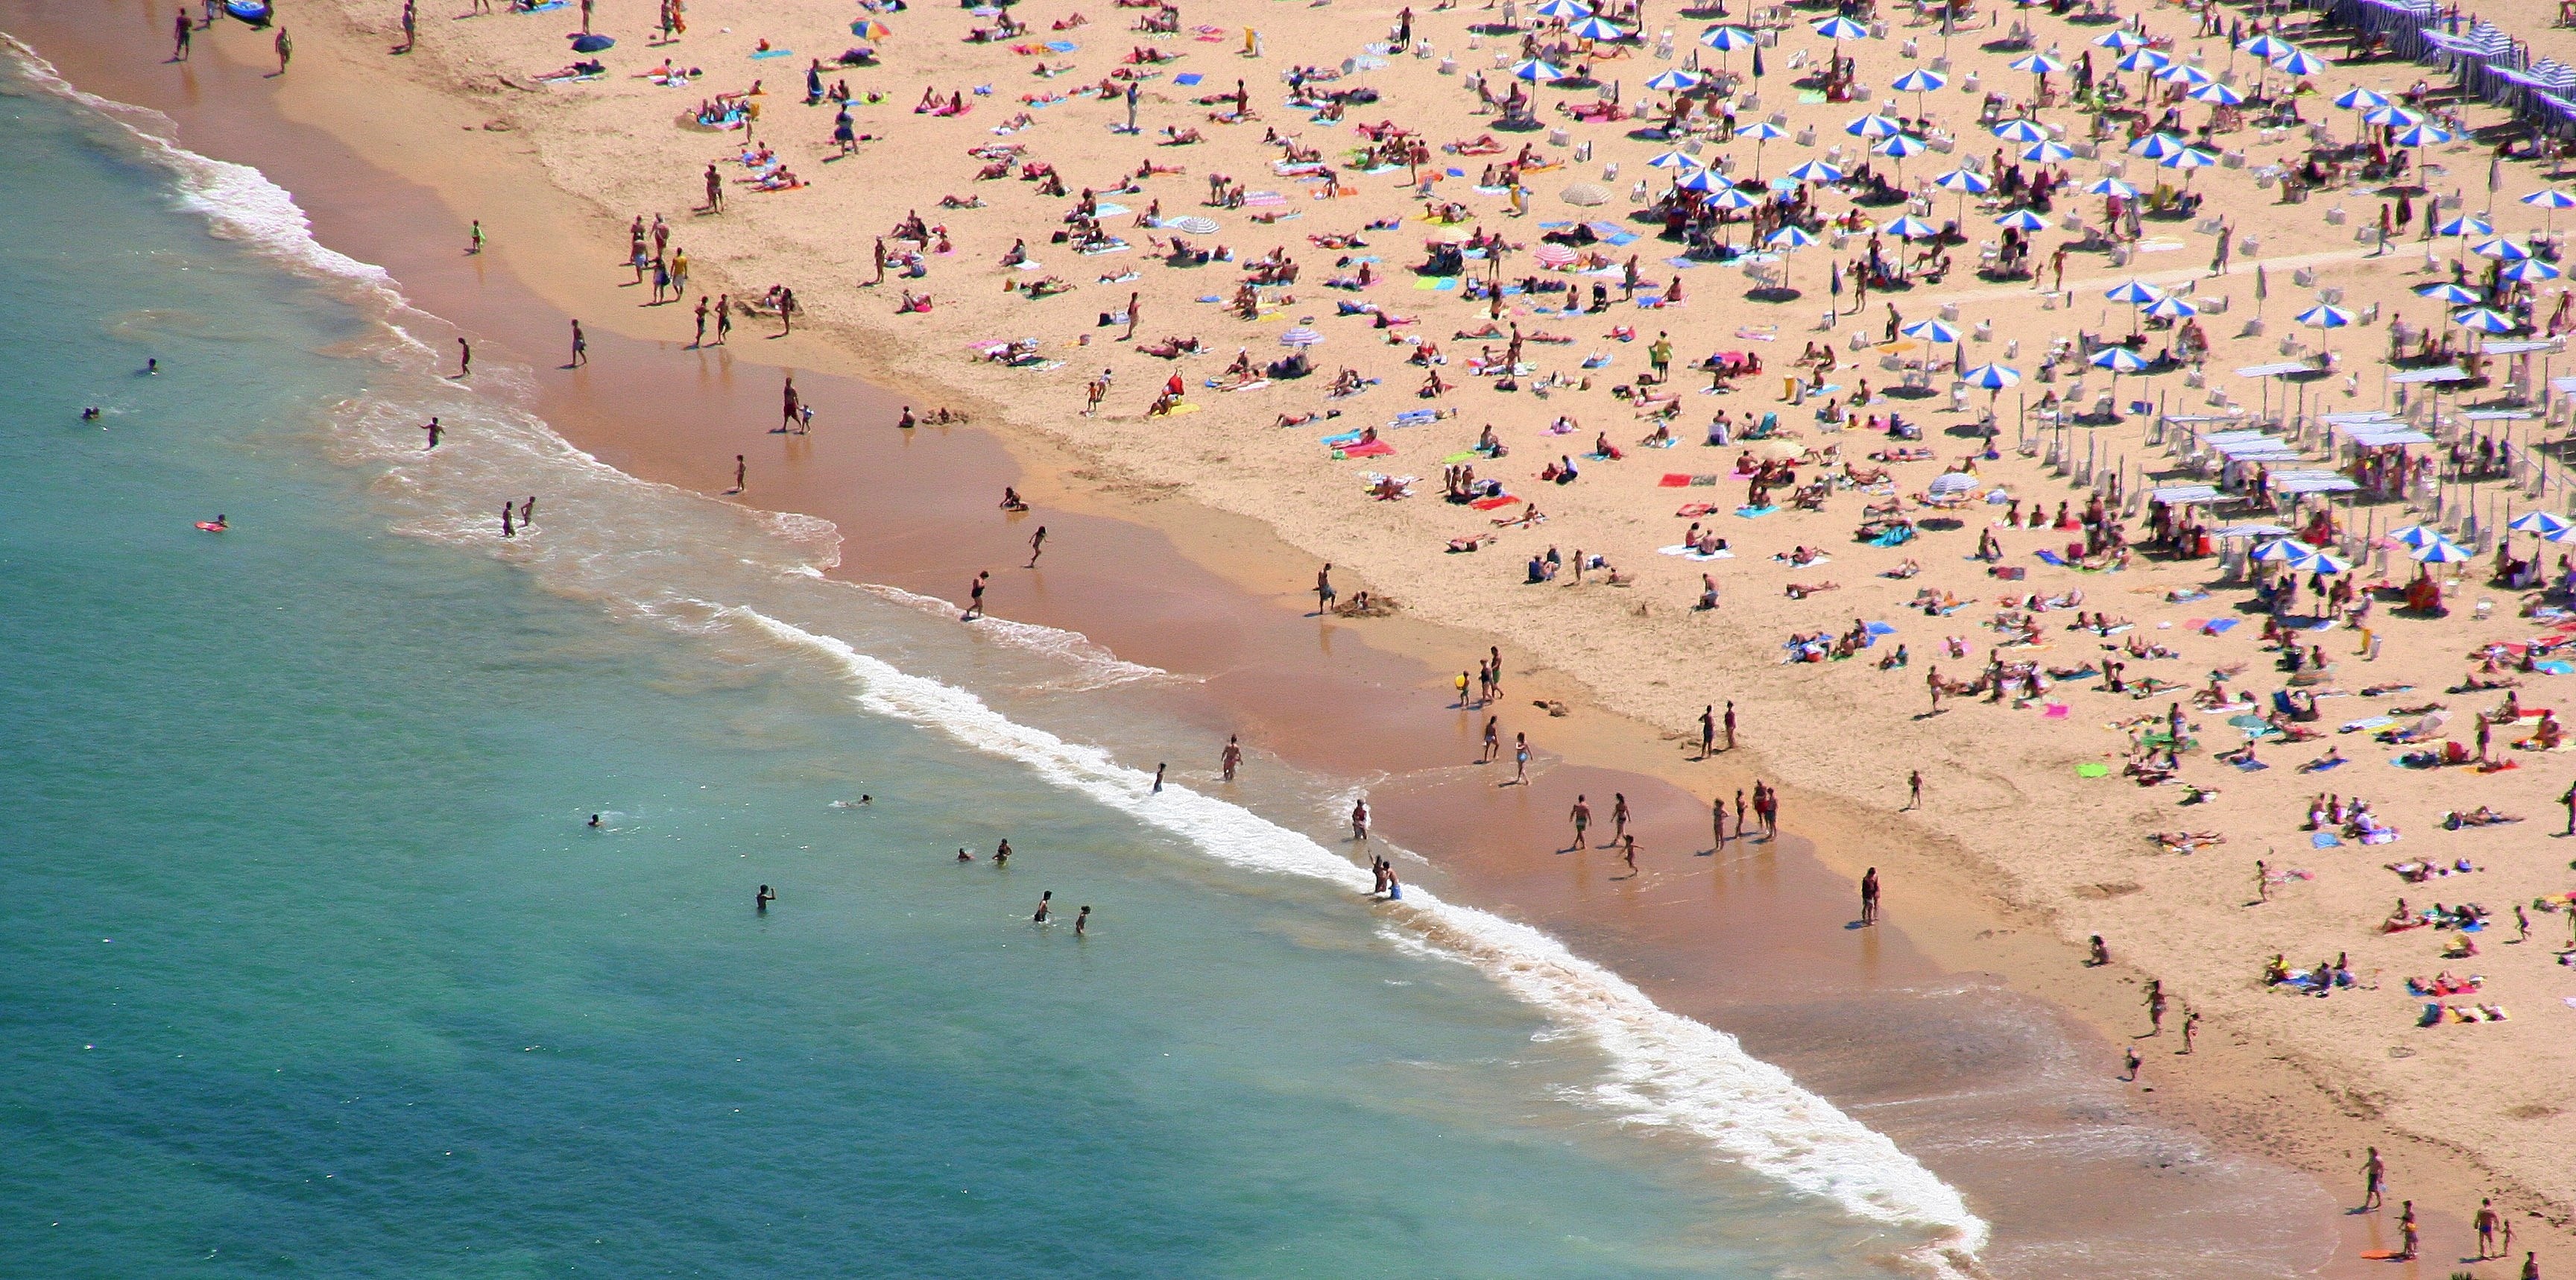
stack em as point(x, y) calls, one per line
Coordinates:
point(1188, 78)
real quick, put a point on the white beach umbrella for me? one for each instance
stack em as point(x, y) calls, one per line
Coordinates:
point(2120, 41)
point(1991, 377)
point(2453, 294)
point(2552, 200)
point(2530, 269)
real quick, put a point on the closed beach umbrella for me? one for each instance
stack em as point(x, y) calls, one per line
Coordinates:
point(2530, 269)
point(1934, 331)
point(2022, 220)
point(1874, 125)
point(2045, 152)
point(1586, 194)
point(2021, 131)
point(1674, 81)
point(1532, 69)
point(2217, 95)
point(1816, 171)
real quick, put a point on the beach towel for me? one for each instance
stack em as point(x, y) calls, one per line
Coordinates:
point(1683, 549)
point(2373, 722)
point(1755, 513)
point(1188, 78)
point(2249, 766)
point(1493, 503)
point(1372, 449)
point(2218, 626)
point(1674, 480)
point(2054, 711)
point(775, 53)
point(2050, 557)
point(2325, 840)
point(2092, 769)
point(2555, 668)
point(1694, 510)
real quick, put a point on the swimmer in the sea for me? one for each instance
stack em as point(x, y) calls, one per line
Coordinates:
point(435, 431)
point(1158, 779)
point(90, 414)
point(1046, 903)
point(594, 822)
point(963, 856)
point(1082, 921)
point(1002, 854)
point(760, 901)
point(151, 365)
point(216, 525)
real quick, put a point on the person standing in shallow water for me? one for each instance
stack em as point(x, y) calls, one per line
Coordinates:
point(760, 901)
point(1233, 756)
point(1869, 896)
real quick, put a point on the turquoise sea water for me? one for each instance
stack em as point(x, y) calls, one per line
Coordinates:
point(309, 965)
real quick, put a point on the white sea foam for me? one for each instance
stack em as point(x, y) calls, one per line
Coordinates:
point(1095, 666)
point(1666, 1070)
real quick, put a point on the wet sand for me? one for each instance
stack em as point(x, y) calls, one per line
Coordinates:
point(2004, 1095)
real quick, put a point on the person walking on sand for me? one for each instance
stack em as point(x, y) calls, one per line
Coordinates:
point(285, 50)
point(474, 239)
point(2486, 1222)
point(1618, 816)
point(741, 472)
point(715, 190)
point(2156, 1007)
point(975, 596)
point(2190, 1028)
point(2374, 1180)
point(580, 347)
point(2226, 245)
point(1359, 820)
point(1133, 311)
point(701, 339)
point(1493, 741)
point(1520, 759)
point(1037, 546)
point(724, 317)
point(1233, 756)
point(1730, 725)
point(789, 404)
point(1582, 818)
point(1868, 890)
point(1914, 789)
point(1324, 589)
point(2568, 798)
point(185, 35)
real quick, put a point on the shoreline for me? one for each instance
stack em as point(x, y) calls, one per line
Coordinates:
point(1247, 557)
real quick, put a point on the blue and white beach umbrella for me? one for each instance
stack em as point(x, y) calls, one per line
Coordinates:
point(2360, 99)
point(2120, 41)
point(2267, 47)
point(1792, 236)
point(1595, 27)
point(1910, 227)
point(2038, 64)
point(1839, 29)
point(1728, 39)
point(2021, 131)
point(2539, 522)
point(2500, 248)
point(2421, 134)
point(2170, 307)
point(1701, 180)
point(1918, 81)
point(2118, 360)
point(2134, 292)
point(1732, 198)
point(2321, 561)
point(1991, 377)
point(1874, 125)
point(2217, 95)
point(2278, 550)
point(2298, 62)
point(2186, 75)
point(1937, 332)
point(2112, 187)
point(2047, 152)
point(2391, 115)
point(1672, 160)
point(2144, 60)
point(2468, 225)
point(1762, 131)
point(1902, 146)
point(2444, 551)
point(1675, 80)
point(1816, 171)
point(2415, 536)
point(2156, 146)
point(2484, 320)
point(1965, 182)
point(1565, 9)
point(2552, 200)
point(2532, 270)
point(2322, 316)
point(2022, 220)
point(2452, 294)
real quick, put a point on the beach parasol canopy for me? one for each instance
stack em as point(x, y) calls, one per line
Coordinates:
point(2267, 47)
point(1701, 180)
point(1792, 236)
point(2539, 522)
point(1671, 160)
point(592, 42)
point(2530, 269)
point(2022, 220)
point(2550, 198)
point(2021, 131)
point(1565, 9)
point(1935, 331)
point(1910, 227)
point(1534, 70)
point(2112, 187)
point(2390, 114)
point(2500, 248)
point(1991, 377)
point(2250, 531)
point(2038, 64)
point(1731, 198)
point(2156, 146)
point(2450, 293)
point(1965, 181)
point(2134, 292)
point(1874, 125)
point(1727, 39)
point(1586, 194)
point(1816, 171)
point(2277, 550)
point(2047, 152)
point(2118, 360)
point(2217, 95)
point(2186, 75)
point(2144, 60)
point(1550, 254)
point(2170, 307)
point(2414, 536)
point(870, 29)
point(2443, 551)
point(2120, 41)
point(2189, 158)
point(2298, 62)
point(2483, 320)
point(2319, 560)
point(1839, 29)
point(1762, 131)
point(1301, 336)
point(2421, 134)
point(1950, 484)
point(1675, 80)
point(2360, 99)
point(1195, 225)
point(1902, 145)
point(2322, 316)
point(1918, 81)
point(2468, 225)
point(1595, 28)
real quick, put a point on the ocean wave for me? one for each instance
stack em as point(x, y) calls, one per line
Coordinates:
point(1666, 1070)
point(1095, 666)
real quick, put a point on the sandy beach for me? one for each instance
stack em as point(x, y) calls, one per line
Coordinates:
point(2018, 853)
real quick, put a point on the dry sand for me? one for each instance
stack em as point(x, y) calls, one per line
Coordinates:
point(2484, 1104)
